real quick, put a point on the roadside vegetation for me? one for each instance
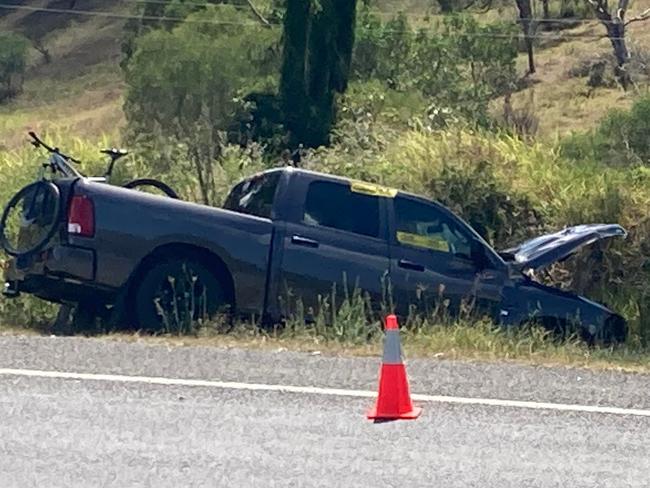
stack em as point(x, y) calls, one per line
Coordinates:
point(425, 105)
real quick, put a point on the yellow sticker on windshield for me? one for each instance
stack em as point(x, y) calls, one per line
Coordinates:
point(372, 189)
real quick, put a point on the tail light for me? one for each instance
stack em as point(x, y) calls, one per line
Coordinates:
point(81, 216)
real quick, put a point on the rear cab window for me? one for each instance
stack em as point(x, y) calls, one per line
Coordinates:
point(338, 206)
point(254, 196)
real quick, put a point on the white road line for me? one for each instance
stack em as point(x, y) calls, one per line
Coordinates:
point(313, 390)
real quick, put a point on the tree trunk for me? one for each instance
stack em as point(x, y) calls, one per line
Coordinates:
point(545, 9)
point(446, 6)
point(616, 33)
point(345, 11)
point(293, 91)
point(316, 64)
point(525, 18)
point(615, 26)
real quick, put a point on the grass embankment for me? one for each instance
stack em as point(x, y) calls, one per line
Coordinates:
point(457, 342)
point(77, 91)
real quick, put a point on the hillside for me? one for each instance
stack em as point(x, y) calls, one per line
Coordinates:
point(80, 90)
point(564, 102)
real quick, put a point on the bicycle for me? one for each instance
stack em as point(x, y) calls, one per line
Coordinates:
point(39, 206)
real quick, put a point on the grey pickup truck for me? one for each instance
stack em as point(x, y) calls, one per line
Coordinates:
point(291, 233)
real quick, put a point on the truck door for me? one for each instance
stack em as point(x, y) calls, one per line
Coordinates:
point(437, 264)
point(336, 240)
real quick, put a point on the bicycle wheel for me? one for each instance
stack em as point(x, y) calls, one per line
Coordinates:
point(149, 182)
point(30, 219)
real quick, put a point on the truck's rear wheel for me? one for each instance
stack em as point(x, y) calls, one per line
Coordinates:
point(174, 295)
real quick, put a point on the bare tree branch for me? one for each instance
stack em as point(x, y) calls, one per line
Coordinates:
point(621, 11)
point(645, 15)
point(614, 23)
point(525, 14)
point(258, 14)
point(599, 5)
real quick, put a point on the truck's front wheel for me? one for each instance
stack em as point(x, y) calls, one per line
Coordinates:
point(176, 296)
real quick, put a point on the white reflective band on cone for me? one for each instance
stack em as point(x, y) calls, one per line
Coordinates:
point(392, 347)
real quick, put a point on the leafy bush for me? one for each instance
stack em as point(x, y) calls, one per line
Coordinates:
point(184, 87)
point(449, 63)
point(498, 213)
point(620, 139)
point(13, 53)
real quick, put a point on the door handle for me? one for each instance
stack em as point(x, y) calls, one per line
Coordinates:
point(406, 264)
point(303, 241)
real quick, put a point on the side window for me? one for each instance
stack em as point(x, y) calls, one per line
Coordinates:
point(254, 196)
point(425, 226)
point(335, 205)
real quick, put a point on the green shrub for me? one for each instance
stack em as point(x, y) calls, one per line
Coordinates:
point(183, 87)
point(449, 63)
point(13, 53)
point(621, 138)
point(500, 214)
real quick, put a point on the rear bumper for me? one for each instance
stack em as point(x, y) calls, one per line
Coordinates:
point(62, 261)
point(61, 273)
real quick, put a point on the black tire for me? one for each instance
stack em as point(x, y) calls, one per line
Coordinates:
point(159, 185)
point(614, 331)
point(168, 287)
point(40, 207)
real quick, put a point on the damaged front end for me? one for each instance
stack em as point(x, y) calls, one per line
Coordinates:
point(532, 298)
point(547, 249)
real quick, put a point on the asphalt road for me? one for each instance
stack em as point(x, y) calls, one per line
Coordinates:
point(66, 433)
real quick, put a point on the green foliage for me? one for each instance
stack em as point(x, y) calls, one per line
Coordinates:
point(622, 138)
point(146, 17)
point(13, 53)
point(185, 87)
point(346, 319)
point(498, 212)
point(166, 159)
point(450, 63)
point(449, 6)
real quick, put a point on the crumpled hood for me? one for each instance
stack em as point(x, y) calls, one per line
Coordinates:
point(545, 250)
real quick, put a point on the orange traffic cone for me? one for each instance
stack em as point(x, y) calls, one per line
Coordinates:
point(394, 398)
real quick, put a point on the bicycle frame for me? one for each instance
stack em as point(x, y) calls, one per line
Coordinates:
point(57, 163)
point(62, 163)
